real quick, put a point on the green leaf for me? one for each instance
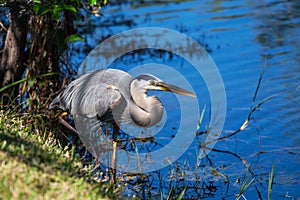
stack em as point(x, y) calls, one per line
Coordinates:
point(70, 8)
point(60, 5)
point(37, 1)
point(92, 2)
point(74, 38)
point(44, 10)
point(56, 13)
point(36, 8)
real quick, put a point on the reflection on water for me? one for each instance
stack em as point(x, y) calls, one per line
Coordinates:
point(244, 38)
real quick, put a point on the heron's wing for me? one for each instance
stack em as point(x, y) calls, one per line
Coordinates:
point(96, 99)
point(94, 93)
point(109, 98)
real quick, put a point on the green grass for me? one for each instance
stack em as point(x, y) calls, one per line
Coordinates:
point(33, 167)
point(246, 183)
point(271, 180)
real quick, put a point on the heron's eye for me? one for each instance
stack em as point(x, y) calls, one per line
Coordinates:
point(152, 82)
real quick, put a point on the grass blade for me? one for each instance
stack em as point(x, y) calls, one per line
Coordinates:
point(170, 194)
point(24, 80)
point(181, 194)
point(271, 181)
point(245, 184)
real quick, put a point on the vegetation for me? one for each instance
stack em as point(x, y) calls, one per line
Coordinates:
point(271, 180)
point(37, 34)
point(35, 162)
point(37, 167)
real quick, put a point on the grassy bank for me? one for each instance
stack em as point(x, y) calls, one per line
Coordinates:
point(37, 167)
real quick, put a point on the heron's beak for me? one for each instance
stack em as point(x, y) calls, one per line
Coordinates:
point(172, 88)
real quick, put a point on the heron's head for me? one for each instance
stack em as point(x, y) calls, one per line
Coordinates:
point(147, 82)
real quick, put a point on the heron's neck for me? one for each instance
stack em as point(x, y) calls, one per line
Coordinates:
point(147, 110)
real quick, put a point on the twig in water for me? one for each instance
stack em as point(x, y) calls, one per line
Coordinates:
point(253, 108)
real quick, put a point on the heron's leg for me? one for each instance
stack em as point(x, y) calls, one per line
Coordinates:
point(114, 153)
point(65, 123)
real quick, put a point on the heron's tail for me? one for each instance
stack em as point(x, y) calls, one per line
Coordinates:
point(57, 103)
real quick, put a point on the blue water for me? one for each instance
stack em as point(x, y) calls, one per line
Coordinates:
point(244, 39)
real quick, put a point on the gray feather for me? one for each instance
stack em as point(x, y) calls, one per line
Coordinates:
point(92, 94)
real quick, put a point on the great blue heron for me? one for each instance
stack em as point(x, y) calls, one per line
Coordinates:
point(112, 95)
point(114, 91)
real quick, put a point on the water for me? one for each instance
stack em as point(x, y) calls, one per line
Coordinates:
point(244, 38)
